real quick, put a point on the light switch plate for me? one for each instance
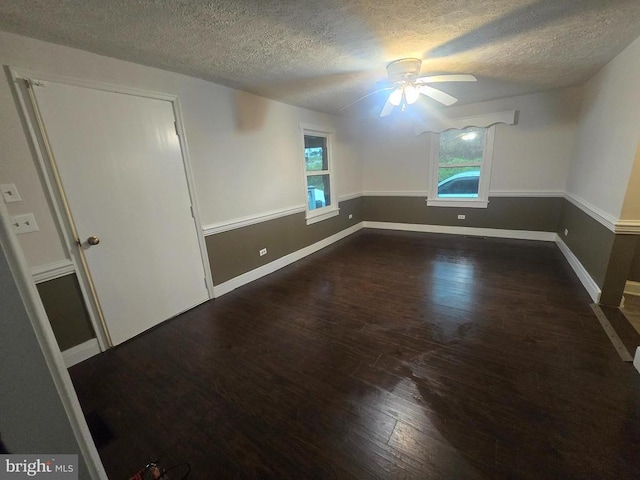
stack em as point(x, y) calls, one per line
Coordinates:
point(10, 193)
point(24, 223)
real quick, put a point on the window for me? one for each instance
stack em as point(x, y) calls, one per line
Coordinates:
point(461, 167)
point(320, 195)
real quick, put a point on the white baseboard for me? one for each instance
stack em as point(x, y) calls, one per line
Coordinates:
point(240, 280)
point(81, 352)
point(481, 232)
point(636, 360)
point(589, 283)
point(632, 288)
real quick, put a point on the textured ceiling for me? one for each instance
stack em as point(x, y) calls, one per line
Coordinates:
point(324, 54)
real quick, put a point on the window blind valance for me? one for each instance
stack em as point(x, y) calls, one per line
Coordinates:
point(483, 121)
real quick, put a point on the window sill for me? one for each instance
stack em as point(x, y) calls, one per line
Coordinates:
point(313, 217)
point(460, 203)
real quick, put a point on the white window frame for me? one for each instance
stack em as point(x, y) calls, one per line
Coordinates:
point(482, 201)
point(324, 213)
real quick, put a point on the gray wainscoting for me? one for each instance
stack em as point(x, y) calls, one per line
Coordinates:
point(509, 213)
point(634, 273)
point(605, 255)
point(64, 304)
point(235, 252)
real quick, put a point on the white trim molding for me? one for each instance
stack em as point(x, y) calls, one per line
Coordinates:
point(51, 271)
point(314, 127)
point(632, 288)
point(281, 262)
point(27, 73)
point(423, 193)
point(349, 196)
point(381, 193)
point(536, 194)
point(594, 212)
point(587, 281)
point(478, 232)
point(315, 216)
point(636, 360)
point(627, 226)
point(458, 203)
point(80, 353)
point(220, 227)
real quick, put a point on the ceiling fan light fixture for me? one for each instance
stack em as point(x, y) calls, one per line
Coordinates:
point(411, 94)
point(407, 85)
point(396, 97)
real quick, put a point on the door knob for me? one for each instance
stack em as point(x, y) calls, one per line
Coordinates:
point(93, 240)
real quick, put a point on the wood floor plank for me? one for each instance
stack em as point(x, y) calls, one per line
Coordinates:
point(386, 355)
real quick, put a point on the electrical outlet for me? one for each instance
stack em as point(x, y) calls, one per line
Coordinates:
point(10, 193)
point(566, 232)
point(263, 252)
point(461, 217)
point(24, 223)
point(350, 216)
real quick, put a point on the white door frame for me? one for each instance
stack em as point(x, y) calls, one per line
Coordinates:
point(63, 221)
point(49, 346)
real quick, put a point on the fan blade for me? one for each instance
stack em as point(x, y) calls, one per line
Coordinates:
point(437, 95)
point(388, 107)
point(446, 78)
point(365, 96)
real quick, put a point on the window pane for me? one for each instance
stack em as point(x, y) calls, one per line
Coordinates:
point(315, 153)
point(461, 146)
point(461, 182)
point(318, 191)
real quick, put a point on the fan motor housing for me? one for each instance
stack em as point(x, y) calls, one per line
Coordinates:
point(406, 69)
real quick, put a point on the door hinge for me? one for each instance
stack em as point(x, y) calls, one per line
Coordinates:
point(175, 125)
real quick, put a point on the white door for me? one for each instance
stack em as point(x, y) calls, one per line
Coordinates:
point(121, 168)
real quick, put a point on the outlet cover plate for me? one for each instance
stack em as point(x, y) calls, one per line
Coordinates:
point(24, 223)
point(10, 193)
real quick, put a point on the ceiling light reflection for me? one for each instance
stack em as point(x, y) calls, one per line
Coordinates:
point(396, 97)
point(411, 94)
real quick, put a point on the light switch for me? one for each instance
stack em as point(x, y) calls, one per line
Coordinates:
point(24, 223)
point(10, 193)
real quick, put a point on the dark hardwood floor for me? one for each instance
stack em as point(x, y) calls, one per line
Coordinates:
point(386, 355)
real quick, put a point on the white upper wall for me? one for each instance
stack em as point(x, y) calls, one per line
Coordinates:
point(245, 150)
point(530, 157)
point(631, 205)
point(608, 134)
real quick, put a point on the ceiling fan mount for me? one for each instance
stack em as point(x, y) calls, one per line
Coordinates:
point(404, 70)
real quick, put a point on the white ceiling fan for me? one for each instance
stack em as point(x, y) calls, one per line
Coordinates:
point(407, 86)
